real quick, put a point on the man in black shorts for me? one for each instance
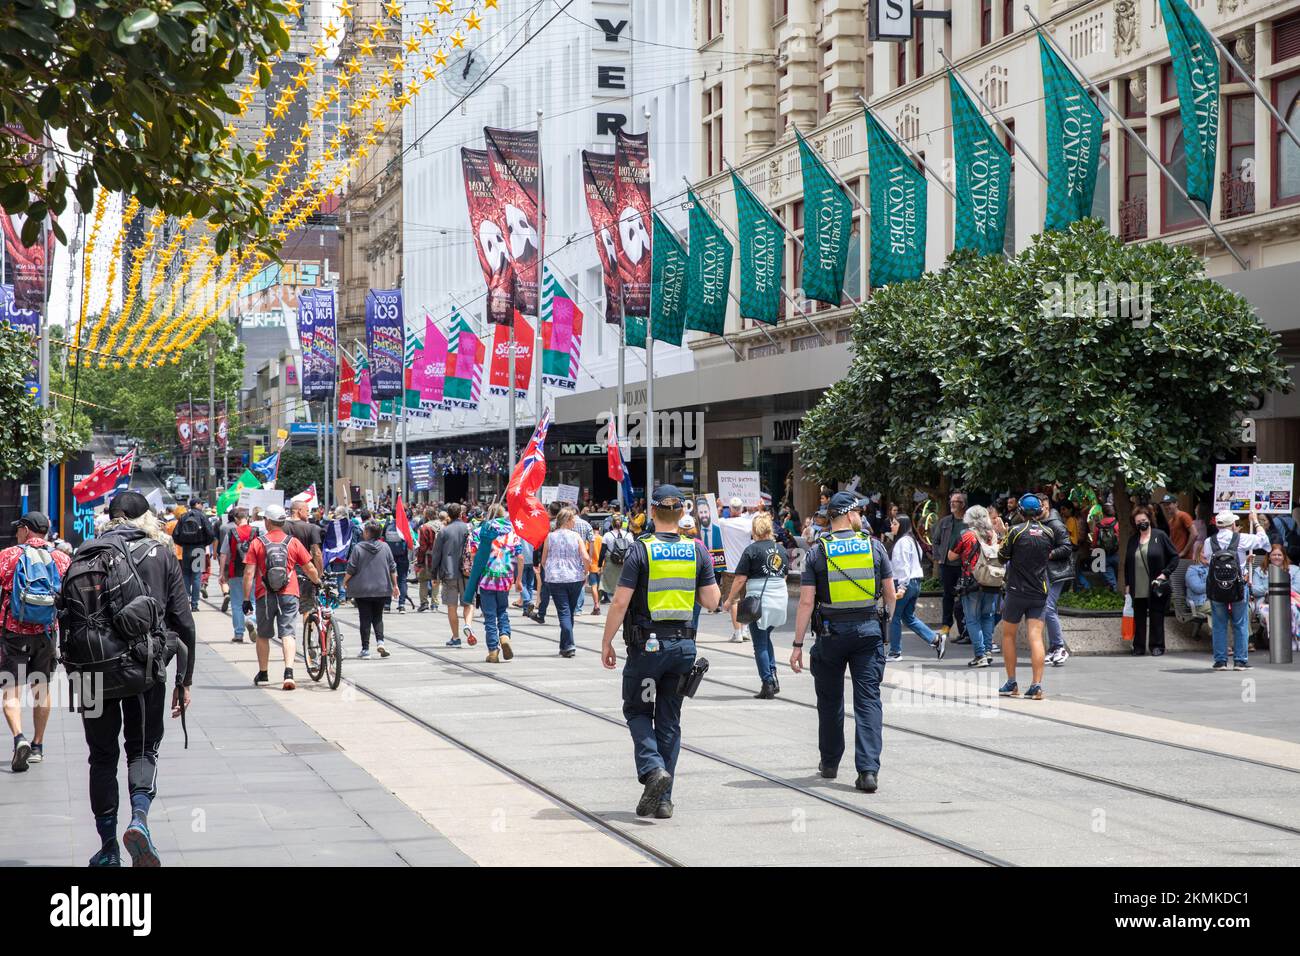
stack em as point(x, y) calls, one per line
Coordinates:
point(308, 534)
point(1027, 550)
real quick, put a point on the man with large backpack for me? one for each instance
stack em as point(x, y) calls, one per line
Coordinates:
point(270, 567)
point(123, 607)
point(192, 535)
point(1228, 553)
point(31, 573)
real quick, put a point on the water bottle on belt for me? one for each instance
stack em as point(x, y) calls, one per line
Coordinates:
point(652, 643)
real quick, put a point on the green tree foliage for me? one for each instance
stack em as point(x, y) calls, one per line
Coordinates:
point(28, 434)
point(298, 469)
point(982, 373)
point(139, 86)
point(142, 401)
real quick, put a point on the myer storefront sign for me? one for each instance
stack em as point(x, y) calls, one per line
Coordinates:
point(781, 432)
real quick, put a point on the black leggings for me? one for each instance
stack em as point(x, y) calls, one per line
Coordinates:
point(371, 611)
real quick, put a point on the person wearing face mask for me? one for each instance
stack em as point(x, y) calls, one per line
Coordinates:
point(1150, 562)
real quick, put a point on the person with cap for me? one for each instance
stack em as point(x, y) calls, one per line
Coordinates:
point(28, 646)
point(270, 566)
point(1028, 550)
point(1225, 608)
point(662, 580)
point(138, 720)
point(847, 579)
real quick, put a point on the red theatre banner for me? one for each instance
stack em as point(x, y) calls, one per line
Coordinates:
point(223, 427)
point(201, 426)
point(516, 184)
point(487, 224)
point(599, 185)
point(632, 191)
point(499, 375)
point(183, 426)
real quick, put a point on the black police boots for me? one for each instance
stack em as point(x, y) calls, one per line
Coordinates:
point(866, 782)
point(827, 772)
point(767, 692)
point(657, 783)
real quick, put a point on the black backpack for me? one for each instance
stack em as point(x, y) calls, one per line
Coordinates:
point(114, 644)
point(1224, 583)
point(277, 563)
point(191, 529)
point(619, 547)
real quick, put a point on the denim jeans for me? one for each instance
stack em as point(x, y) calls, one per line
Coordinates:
point(1111, 572)
point(526, 585)
point(858, 647)
point(566, 594)
point(496, 620)
point(193, 584)
point(1052, 620)
point(905, 613)
point(1220, 615)
point(764, 654)
point(979, 607)
point(237, 606)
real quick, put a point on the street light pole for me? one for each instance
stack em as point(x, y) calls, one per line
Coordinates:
point(210, 484)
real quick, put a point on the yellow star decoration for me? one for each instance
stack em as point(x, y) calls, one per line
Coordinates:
point(354, 66)
point(427, 27)
point(378, 29)
point(393, 8)
point(367, 49)
point(363, 151)
point(344, 129)
point(371, 139)
point(308, 68)
point(429, 74)
point(473, 20)
point(397, 62)
point(380, 125)
point(457, 40)
point(412, 45)
point(346, 9)
point(356, 109)
point(319, 48)
point(317, 110)
point(305, 130)
point(444, 6)
point(440, 58)
point(268, 130)
point(333, 96)
point(293, 6)
point(344, 81)
point(385, 77)
point(332, 31)
point(232, 129)
point(490, 4)
point(412, 91)
point(300, 81)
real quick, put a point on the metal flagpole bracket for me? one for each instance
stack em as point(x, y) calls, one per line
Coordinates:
point(1110, 107)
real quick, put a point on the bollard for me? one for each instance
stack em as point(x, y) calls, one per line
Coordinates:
point(1279, 615)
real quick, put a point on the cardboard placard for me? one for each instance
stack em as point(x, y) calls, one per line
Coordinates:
point(260, 498)
point(744, 485)
point(1260, 488)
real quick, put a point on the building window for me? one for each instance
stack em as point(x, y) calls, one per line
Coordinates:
point(1132, 108)
point(1133, 202)
point(1168, 84)
point(1286, 155)
point(986, 22)
point(1101, 197)
point(1286, 39)
point(712, 111)
point(919, 49)
point(1175, 211)
point(1238, 181)
point(712, 19)
point(780, 10)
point(900, 64)
point(1008, 17)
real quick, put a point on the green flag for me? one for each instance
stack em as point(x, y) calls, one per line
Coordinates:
point(1196, 73)
point(708, 275)
point(828, 226)
point(634, 330)
point(1074, 125)
point(983, 174)
point(667, 285)
point(230, 497)
point(762, 256)
point(898, 205)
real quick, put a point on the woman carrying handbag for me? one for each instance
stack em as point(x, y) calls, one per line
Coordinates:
point(760, 572)
point(1148, 565)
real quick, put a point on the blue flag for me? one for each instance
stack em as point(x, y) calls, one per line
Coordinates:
point(267, 468)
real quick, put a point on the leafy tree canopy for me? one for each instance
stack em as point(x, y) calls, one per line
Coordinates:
point(992, 373)
point(139, 86)
point(29, 435)
point(298, 469)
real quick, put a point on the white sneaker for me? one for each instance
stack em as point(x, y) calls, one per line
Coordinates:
point(736, 637)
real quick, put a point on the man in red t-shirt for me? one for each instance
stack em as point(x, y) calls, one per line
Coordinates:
point(280, 554)
point(27, 651)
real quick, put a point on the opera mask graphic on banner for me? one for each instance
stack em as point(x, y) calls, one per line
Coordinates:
point(488, 227)
point(516, 183)
point(601, 193)
point(632, 201)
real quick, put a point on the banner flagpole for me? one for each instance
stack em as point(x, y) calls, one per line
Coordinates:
point(650, 429)
point(1105, 101)
point(996, 118)
point(541, 266)
point(915, 155)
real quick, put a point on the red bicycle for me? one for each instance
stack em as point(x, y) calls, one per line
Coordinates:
point(321, 646)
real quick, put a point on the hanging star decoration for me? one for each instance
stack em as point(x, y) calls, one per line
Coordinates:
point(473, 20)
point(444, 6)
point(427, 27)
point(457, 40)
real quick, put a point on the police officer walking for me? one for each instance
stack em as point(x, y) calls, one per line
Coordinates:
point(846, 575)
point(663, 578)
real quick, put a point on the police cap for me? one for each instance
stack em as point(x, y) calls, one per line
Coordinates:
point(667, 496)
point(842, 502)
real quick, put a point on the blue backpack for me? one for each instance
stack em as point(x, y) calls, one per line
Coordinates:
point(36, 584)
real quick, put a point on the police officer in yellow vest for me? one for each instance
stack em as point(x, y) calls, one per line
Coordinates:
point(663, 578)
point(847, 580)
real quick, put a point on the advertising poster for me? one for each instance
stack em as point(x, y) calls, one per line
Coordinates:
point(499, 374)
point(599, 186)
point(632, 204)
point(385, 342)
point(488, 227)
point(420, 472)
point(515, 166)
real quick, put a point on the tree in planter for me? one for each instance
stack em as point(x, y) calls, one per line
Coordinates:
point(298, 469)
point(140, 89)
point(29, 434)
point(1004, 373)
